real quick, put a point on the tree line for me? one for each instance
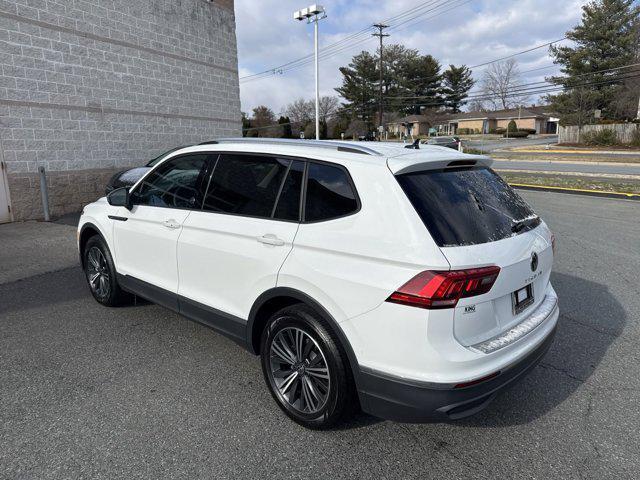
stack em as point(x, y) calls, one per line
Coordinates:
point(598, 73)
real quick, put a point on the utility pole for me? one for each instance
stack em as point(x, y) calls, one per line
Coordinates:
point(380, 35)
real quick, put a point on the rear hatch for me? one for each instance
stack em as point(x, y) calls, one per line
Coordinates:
point(477, 220)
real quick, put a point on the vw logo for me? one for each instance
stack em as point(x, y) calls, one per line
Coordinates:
point(534, 261)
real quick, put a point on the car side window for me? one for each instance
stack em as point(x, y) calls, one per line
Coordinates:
point(245, 184)
point(178, 183)
point(329, 193)
point(288, 207)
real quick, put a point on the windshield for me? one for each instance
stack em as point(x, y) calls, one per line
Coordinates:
point(467, 206)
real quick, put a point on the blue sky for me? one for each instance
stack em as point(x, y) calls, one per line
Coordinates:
point(454, 31)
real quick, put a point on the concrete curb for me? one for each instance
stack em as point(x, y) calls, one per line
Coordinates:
point(578, 191)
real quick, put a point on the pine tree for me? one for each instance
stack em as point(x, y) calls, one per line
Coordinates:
point(285, 123)
point(359, 81)
point(456, 83)
point(246, 124)
point(605, 39)
point(420, 81)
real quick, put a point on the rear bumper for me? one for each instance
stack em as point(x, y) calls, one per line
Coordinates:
point(410, 402)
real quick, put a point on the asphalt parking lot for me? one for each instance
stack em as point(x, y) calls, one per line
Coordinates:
point(135, 392)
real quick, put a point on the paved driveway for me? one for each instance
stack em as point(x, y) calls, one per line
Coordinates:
point(91, 392)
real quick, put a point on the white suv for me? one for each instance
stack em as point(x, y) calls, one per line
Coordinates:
point(412, 283)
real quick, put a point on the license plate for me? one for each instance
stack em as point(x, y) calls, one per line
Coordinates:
point(521, 299)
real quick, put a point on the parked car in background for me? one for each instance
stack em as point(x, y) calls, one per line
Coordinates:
point(128, 177)
point(450, 142)
point(413, 283)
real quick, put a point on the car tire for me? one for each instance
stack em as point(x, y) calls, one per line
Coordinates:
point(305, 369)
point(100, 273)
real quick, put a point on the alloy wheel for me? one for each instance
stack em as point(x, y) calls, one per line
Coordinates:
point(98, 273)
point(299, 371)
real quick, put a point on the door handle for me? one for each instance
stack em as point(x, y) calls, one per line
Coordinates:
point(171, 224)
point(271, 239)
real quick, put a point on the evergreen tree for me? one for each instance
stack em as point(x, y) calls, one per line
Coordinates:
point(246, 124)
point(456, 83)
point(420, 79)
point(605, 39)
point(394, 58)
point(359, 82)
point(287, 131)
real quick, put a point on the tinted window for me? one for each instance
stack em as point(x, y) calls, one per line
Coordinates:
point(153, 162)
point(288, 207)
point(177, 184)
point(329, 193)
point(467, 206)
point(245, 185)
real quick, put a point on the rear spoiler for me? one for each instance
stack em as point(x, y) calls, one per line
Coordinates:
point(416, 163)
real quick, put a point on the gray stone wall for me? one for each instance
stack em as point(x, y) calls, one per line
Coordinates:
point(88, 87)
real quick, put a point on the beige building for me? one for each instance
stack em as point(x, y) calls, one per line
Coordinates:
point(535, 118)
point(420, 125)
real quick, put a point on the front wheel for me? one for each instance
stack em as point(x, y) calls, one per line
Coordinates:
point(101, 273)
point(306, 371)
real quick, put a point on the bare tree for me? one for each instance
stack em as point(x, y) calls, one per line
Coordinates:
point(329, 106)
point(477, 106)
point(501, 82)
point(300, 112)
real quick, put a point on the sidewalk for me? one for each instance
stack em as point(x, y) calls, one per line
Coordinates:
point(34, 248)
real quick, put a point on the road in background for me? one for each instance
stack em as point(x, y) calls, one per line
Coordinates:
point(88, 391)
point(555, 166)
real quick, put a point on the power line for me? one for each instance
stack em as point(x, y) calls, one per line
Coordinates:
point(540, 90)
point(519, 53)
point(557, 80)
point(344, 44)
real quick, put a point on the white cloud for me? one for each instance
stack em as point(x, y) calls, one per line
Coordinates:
point(470, 33)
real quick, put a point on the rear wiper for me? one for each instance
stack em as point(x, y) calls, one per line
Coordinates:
point(519, 225)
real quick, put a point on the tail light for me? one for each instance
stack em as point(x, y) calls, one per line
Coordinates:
point(443, 289)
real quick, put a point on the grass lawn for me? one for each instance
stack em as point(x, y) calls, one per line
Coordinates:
point(570, 181)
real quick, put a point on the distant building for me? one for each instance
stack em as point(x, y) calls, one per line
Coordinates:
point(91, 87)
point(535, 118)
point(417, 125)
point(538, 118)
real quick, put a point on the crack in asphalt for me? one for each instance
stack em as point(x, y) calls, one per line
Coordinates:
point(562, 371)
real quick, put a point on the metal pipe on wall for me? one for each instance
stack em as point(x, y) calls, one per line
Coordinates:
point(44, 193)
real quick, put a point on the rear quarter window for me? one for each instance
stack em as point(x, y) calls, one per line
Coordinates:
point(330, 193)
point(466, 206)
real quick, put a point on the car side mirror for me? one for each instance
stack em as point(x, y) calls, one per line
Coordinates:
point(120, 198)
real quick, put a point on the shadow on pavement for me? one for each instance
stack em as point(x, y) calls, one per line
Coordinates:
point(69, 219)
point(48, 289)
point(590, 321)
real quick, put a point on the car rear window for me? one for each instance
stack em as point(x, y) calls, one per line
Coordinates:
point(467, 206)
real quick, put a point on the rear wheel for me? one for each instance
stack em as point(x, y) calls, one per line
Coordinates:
point(305, 370)
point(101, 273)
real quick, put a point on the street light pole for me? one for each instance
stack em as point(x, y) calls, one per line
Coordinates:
point(314, 13)
point(315, 41)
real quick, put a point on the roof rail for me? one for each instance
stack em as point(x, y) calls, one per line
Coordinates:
point(339, 146)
